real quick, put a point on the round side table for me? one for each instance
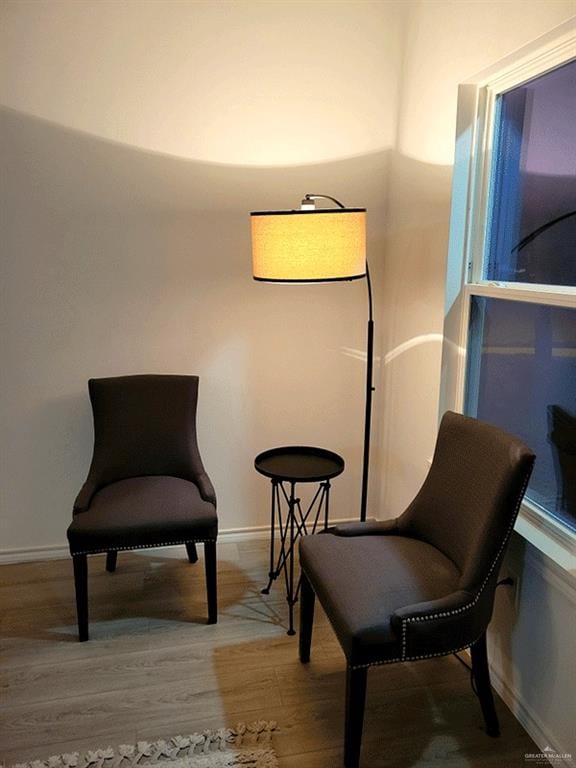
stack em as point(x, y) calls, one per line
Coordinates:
point(286, 467)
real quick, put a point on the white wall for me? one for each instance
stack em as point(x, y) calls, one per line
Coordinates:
point(136, 138)
point(244, 82)
point(445, 42)
point(532, 636)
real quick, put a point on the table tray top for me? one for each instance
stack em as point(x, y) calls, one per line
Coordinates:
point(299, 464)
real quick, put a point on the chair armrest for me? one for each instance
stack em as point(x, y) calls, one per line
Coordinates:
point(444, 625)
point(205, 487)
point(375, 528)
point(430, 609)
point(84, 497)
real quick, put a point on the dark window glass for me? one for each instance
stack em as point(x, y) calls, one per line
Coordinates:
point(522, 378)
point(532, 200)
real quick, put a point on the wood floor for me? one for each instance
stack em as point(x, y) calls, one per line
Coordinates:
point(153, 668)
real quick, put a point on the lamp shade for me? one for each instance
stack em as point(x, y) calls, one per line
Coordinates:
point(307, 246)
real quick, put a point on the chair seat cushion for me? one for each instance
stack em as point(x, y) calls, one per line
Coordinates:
point(143, 512)
point(362, 580)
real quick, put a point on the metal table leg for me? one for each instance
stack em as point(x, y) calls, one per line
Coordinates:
point(294, 524)
point(272, 570)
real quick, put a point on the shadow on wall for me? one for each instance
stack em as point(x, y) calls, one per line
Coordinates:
point(412, 320)
point(121, 261)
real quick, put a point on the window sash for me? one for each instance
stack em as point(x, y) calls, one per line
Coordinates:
point(468, 240)
point(554, 295)
point(488, 88)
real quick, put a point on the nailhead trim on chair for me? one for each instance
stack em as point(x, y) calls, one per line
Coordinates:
point(416, 658)
point(143, 546)
point(453, 612)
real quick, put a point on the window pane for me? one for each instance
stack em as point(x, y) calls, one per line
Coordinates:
point(522, 377)
point(532, 208)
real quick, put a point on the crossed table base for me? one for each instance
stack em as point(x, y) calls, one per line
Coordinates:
point(286, 467)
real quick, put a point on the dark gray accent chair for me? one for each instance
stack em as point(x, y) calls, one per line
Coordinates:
point(146, 486)
point(421, 585)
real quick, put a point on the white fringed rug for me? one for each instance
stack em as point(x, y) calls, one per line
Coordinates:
point(247, 746)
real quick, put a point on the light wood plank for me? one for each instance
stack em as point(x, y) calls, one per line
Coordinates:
point(153, 668)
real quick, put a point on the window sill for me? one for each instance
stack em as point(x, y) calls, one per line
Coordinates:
point(549, 536)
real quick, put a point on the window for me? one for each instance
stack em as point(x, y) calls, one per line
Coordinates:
point(522, 377)
point(509, 355)
point(532, 213)
point(522, 356)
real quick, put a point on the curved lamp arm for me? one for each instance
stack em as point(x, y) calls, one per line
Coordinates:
point(310, 198)
point(539, 231)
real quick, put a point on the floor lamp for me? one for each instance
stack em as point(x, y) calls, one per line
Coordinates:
point(318, 245)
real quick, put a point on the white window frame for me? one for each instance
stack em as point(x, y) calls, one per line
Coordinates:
point(467, 247)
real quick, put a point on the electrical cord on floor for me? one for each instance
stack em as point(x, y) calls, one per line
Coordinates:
point(469, 668)
point(508, 581)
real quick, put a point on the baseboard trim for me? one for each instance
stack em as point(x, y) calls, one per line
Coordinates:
point(59, 551)
point(33, 554)
point(528, 719)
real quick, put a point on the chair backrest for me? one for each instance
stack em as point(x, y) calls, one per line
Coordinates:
point(144, 425)
point(468, 504)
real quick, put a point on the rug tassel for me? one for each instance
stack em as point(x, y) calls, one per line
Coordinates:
point(144, 752)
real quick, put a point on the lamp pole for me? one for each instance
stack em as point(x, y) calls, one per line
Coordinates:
point(369, 370)
point(369, 391)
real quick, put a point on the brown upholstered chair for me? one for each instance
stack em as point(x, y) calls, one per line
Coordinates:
point(146, 486)
point(421, 585)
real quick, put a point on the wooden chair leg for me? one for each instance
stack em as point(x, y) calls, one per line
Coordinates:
point(111, 559)
point(211, 580)
point(81, 584)
point(481, 673)
point(307, 600)
point(355, 701)
point(191, 552)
